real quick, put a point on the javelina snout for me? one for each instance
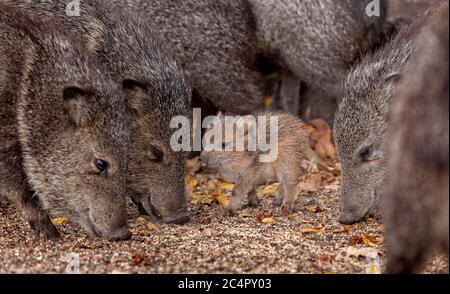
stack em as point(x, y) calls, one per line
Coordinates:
point(110, 222)
point(156, 183)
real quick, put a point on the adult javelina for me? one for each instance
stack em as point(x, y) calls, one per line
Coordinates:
point(64, 130)
point(214, 41)
point(416, 205)
point(361, 124)
point(220, 42)
point(316, 41)
point(157, 89)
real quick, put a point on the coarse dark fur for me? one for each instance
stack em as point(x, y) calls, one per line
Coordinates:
point(361, 124)
point(416, 206)
point(221, 43)
point(59, 115)
point(158, 91)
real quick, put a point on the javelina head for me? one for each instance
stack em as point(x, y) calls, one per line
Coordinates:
point(360, 133)
point(222, 155)
point(156, 173)
point(74, 126)
point(362, 123)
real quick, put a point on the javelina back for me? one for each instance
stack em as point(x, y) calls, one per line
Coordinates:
point(288, 141)
point(317, 41)
point(221, 43)
point(157, 89)
point(416, 205)
point(64, 129)
point(361, 125)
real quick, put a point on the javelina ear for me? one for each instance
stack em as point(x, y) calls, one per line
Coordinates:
point(394, 77)
point(75, 105)
point(134, 91)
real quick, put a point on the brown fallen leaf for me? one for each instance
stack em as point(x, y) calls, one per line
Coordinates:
point(268, 189)
point(268, 100)
point(139, 259)
point(314, 209)
point(59, 220)
point(198, 198)
point(344, 229)
point(364, 240)
point(370, 241)
point(225, 186)
point(222, 199)
point(320, 134)
point(268, 220)
point(312, 230)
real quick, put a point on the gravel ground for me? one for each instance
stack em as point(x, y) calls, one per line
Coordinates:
point(257, 241)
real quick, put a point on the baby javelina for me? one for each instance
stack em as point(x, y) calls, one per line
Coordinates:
point(281, 142)
point(64, 129)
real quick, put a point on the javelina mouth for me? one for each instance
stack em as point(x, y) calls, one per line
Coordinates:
point(89, 225)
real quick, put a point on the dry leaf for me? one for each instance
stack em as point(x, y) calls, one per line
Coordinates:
point(225, 186)
point(222, 199)
point(344, 229)
point(268, 101)
point(190, 181)
point(201, 198)
point(320, 135)
point(59, 220)
point(268, 220)
point(139, 259)
point(313, 230)
point(314, 209)
point(370, 241)
point(268, 189)
point(141, 219)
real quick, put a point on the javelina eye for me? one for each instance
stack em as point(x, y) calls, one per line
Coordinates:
point(101, 165)
point(366, 154)
point(156, 154)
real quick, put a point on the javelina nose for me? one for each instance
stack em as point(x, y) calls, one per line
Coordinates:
point(348, 218)
point(120, 234)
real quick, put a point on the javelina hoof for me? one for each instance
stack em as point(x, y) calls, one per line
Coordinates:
point(230, 212)
point(44, 228)
point(286, 210)
point(253, 203)
point(120, 234)
point(277, 201)
point(181, 220)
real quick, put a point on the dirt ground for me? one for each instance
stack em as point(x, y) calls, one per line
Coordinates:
point(259, 240)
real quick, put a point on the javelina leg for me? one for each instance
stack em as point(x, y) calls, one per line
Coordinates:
point(287, 94)
point(14, 186)
point(239, 192)
point(279, 196)
point(289, 191)
point(253, 198)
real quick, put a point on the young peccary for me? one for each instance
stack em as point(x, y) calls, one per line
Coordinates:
point(64, 129)
point(158, 91)
point(361, 124)
point(247, 169)
point(221, 43)
point(416, 205)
